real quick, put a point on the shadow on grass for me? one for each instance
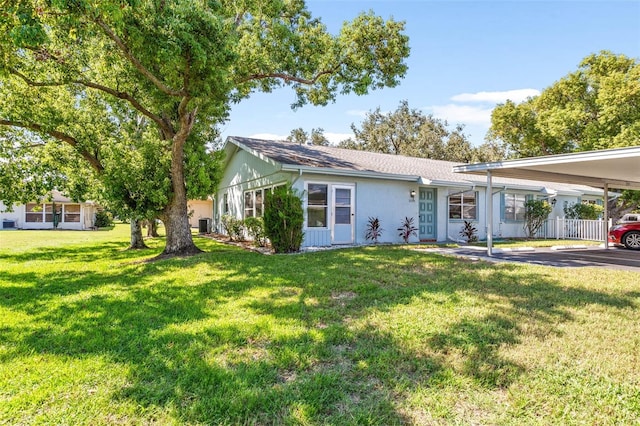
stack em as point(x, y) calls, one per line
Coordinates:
point(299, 343)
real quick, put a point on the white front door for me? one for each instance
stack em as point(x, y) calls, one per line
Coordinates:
point(343, 214)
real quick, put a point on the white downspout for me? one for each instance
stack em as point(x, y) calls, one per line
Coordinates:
point(605, 224)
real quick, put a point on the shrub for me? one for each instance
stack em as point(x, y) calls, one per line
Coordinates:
point(407, 229)
point(283, 219)
point(255, 229)
point(583, 211)
point(103, 219)
point(535, 213)
point(374, 230)
point(233, 227)
point(469, 232)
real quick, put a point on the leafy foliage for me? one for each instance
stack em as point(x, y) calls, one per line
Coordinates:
point(374, 229)
point(594, 107)
point(535, 213)
point(136, 89)
point(409, 132)
point(407, 229)
point(233, 226)
point(283, 219)
point(469, 232)
point(583, 211)
point(301, 137)
point(255, 229)
point(103, 219)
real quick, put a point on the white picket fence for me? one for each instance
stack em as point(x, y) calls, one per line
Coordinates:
point(572, 229)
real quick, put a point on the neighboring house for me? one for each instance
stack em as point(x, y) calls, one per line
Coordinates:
point(199, 209)
point(342, 188)
point(40, 215)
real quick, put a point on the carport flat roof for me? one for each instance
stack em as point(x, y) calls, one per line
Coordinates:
point(618, 168)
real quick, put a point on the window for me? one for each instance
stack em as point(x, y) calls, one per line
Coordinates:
point(514, 206)
point(248, 204)
point(225, 203)
point(72, 213)
point(253, 203)
point(317, 203)
point(258, 204)
point(463, 206)
point(34, 212)
point(343, 206)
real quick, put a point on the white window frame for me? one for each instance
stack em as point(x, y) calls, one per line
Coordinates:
point(516, 197)
point(326, 206)
point(462, 205)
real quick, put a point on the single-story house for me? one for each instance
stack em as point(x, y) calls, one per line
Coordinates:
point(342, 188)
point(68, 214)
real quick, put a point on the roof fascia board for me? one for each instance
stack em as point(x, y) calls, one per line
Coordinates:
point(606, 154)
point(350, 173)
point(254, 152)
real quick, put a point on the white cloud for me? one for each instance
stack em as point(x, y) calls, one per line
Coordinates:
point(516, 96)
point(464, 114)
point(269, 136)
point(357, 112)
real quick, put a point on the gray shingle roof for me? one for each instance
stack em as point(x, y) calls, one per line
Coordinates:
point(340, 159)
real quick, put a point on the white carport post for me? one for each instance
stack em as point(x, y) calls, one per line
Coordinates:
point(489, 214)
point(605, 225)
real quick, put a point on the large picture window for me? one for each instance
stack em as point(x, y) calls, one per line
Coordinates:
point(317, 205)
point(514, 206)
point(463, 206)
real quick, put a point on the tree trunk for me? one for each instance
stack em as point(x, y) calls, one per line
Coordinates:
point(152, 229)
point(136, 236)
point(176, 217)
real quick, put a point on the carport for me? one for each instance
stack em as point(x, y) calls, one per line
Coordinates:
point(617, 168)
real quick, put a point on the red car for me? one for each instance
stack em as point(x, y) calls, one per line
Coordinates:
point(627, 234)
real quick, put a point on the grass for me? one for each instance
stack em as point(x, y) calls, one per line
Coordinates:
point(377, 335)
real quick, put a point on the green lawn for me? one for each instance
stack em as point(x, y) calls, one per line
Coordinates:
point(384, 335)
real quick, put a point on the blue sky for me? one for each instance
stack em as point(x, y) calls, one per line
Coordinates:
point(465, 57)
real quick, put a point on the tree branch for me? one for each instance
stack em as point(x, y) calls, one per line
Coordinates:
point(136, 63)
point(286, 77)
point(63, 137)
point(118, 94)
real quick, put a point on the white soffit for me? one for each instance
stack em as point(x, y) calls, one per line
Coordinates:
point(619, 168)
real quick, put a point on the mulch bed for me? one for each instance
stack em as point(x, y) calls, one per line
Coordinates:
point(247, 245)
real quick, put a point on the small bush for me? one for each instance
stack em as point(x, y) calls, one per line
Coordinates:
point(407, 229)
point(535, 213)
point(469, 232)
point(233, 227)
point(374, 230)
point(283, 219)
point(103, 219)
point(255, 229)
point(583, 211)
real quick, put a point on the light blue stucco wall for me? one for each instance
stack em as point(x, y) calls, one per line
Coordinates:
point(388, 200)
point(243, 172)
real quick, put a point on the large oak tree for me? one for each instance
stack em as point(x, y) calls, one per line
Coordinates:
point(179, 65)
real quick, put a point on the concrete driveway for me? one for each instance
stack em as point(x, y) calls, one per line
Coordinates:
point(614, 258)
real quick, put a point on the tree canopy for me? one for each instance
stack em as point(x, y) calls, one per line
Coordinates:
point(140, 83)
point(595, 107)
point(409, 132)
point(301, 137)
